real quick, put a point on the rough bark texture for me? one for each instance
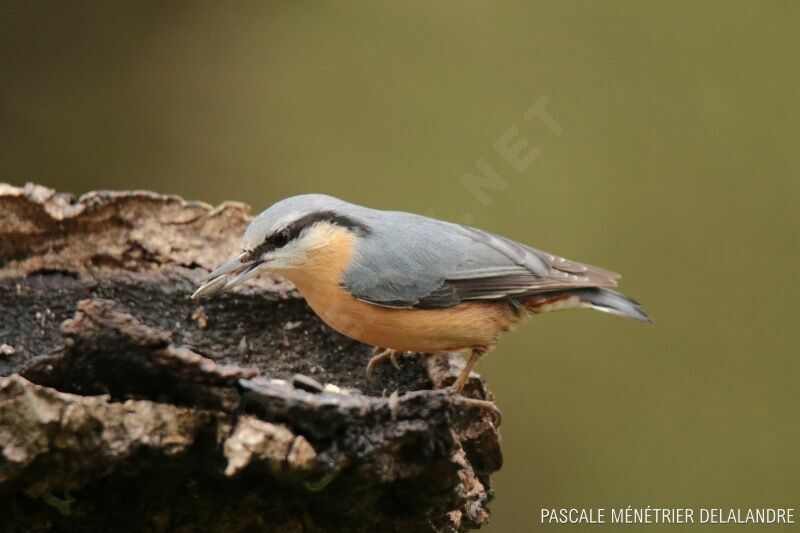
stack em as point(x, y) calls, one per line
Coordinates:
point(127, 406)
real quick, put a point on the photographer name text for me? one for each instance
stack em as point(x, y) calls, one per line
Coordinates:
point(668, 515)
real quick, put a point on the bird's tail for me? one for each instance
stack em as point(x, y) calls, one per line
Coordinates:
point(604, 300)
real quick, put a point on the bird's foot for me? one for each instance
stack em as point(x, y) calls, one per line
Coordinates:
point(379, 355)
point(484, 405)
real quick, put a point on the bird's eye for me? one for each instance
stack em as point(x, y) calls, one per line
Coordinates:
point(281, 238)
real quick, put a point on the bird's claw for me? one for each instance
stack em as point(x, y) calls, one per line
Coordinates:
point(379, 356)
point(484, 405)
point(393, 355)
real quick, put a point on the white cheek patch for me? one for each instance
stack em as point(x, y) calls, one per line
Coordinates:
point(294, 254)
point(299, 250)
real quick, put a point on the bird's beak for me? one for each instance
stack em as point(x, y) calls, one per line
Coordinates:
point(228, 275)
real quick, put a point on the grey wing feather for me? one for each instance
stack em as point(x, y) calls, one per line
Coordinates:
point(411, 261)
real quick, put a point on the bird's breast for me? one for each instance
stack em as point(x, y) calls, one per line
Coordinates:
point(464, 326)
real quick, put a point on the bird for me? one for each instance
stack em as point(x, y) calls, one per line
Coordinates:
point(407, 283)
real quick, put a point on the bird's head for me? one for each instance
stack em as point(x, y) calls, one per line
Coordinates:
point(288, 236)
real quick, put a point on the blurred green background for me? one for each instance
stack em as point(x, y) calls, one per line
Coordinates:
point(677, 165)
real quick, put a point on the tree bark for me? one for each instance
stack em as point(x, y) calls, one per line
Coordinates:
point(127, 406)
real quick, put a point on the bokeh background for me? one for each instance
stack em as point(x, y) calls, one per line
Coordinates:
point(677, 165)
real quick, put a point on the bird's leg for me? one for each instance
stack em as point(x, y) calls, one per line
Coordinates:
point(464, 375)
point(379, 355)
point(484, 405)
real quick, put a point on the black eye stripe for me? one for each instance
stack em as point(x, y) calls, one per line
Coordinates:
point(327, 216)
point(293, 230)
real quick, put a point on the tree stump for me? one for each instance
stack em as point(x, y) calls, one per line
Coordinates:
point(127, 406)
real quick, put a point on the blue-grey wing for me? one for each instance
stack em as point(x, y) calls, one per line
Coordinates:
point(410, 261)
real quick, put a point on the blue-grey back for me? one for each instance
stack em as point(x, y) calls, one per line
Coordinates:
point(409, 260)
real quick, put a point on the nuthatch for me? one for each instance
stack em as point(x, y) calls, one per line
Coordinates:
point(407, 283)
